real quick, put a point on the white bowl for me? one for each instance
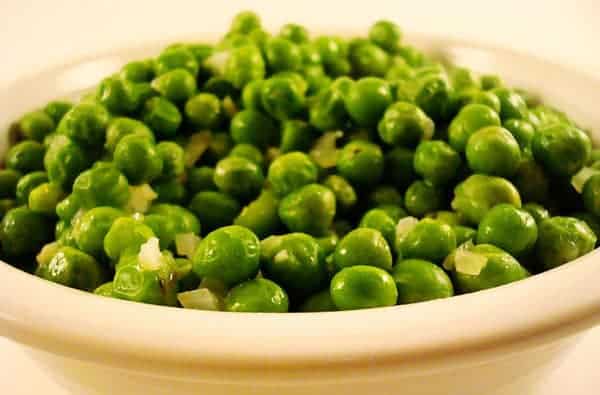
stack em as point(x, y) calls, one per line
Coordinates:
point(497, 341)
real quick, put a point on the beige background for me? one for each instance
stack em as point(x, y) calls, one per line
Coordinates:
point(38, 34)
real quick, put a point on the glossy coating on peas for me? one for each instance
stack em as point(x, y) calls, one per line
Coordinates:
point(363, 246)
point(204, 110)
point(386, 34)
point(561, 149)
point(436, 162)
point(238, 177)
point(36, 125)
point(405, 124)
point(122, 126)
point(512, 105)
point(173, 159)
point(85, 123)
point(162, 116)
point(244, 64)
point(422, 197)
point(26, 156)
point(214, 209)
point(522, 130)
point(363, 287)
point(327, 110)
point(257, 296)
point(531, 180)
point(249, 152)
point(368, 59)
point(433, 97)
point(291, 171)
point(102, 185)
point(537, 211)
point(345, 195)
point(185, 220)
point(120, 96)
point(361, 163)
point(252, 127)
point(429, 239)
point(138, 159)
point(282, 54)
point(24, 232)
point(418, 280)
point(73, 268)
point(309, 209)
point(562, 239)
point(282, 98)
point(367, 100)
point(125, 235)
point(510, 228)
point(493, 151)
point(470, 119)
point(230, 254)
point(44, 198)
point(90, 229)
point(464, 234)
point(296, 135)
point(380, 220)
point(261, 215)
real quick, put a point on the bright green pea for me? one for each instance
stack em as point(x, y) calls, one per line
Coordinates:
point(214, 209)
point(176, 58)
point(238, 177)
point(361, 163)
point(26, 156)
point(537, 211)
point(510, 228)
point(328, 111)
point(494, 151)
point(437, 162)
point(85, 123)
point(170, 191)
point(10, 180)
point(291, 171)
point(561, 149)
point(251, 95)
point(422, 197)
point(463, 234)
point(293, 261)
point(470, 119)
point(429, 239)
point(345, 195)
point(316, 79)
point(380, 220)
point(67, 208)
point(261, 215)
point(319, 302)
point(434, 97)
point(485, 98)
point(102, 185)
point(44, 198)
point(36, 125)
point(176, 85)
point(138, 159)
point(105, 290)
point(463, 79)
point(201, 179)
point(522, 131)
point(204, 110)
point(249, 152)
point(164, 227)
point(490, 81)
point(125, 235)
point(162, 116)
point(24, 232)
point(294, 32)
point(121, 96)
point(363, 246)
point(398, 168)
point(512, 104)
point(74, 269)
point(447, 217)
point(121, 127)
point(257, 296)
point(132, 282)
point(543, 116)
point(138, 71)
point(368, 59)
point(252, 127)
point(229, 254)
point(282, 98)
point(394, 211)
point(591, 220)
point(184, 219)
point(328, 243)
point(56, 109)
point(296, 135)
point(475, 196)
point(386, 34)
point(172, 156)
point(361, 287)
point(405, 124)
point(244, 22)
point(282, 54)
point(90, 229)
point(531, 181)
point(562, 239)
point(591, 194)
point(309, 209)
point(244, 64)
point(367, 100)
point(419, 280)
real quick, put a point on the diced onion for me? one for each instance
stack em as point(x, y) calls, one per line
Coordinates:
point(140, 198)
point(217, 61)
point(196, 146)
point(581, 177)
point(405, 225)
point(324, 151)
point(468, 262)
point(200, 299)
point(186, 243)
point(150, 257)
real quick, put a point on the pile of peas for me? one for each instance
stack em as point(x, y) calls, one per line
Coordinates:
point(276, 173)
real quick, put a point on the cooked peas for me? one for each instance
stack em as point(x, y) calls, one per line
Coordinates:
point(291, 171)
point(214, 209)
point(561, 149)
point(436, 162)
point(138, 159)
point(429, 239)
point(562, 239)
point(363, 287)
point(37, 124)
point(238, 177)
point(10, 180)
point(257, 296)
point(261, 215)
point(422, 197)
point(361, 163)
point(363, 246)
point(26, 156)
point(405, 124)
point(203, 110)
point(418, 280)
point(73, 268)
point(510, 228)
point(470, 119)
point(367, 100)
point(493, 151)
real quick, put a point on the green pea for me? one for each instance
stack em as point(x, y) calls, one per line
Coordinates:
point(394, 211)
point(229, 254)
point(138, 159)
point(244, 22)
point(252, 127)
point(437, 162)
point(309, 209)
point(490, 81)
point(238, 177)
point(327, 111)
point(398, 167)
point(484, 97)
point(563, 239)
point(419, 280)
point(380, 220)
point(345, 195)
point(74, 269)
point(318, 302)
point(214, 209)
point(316, 79)
point(433, 97)
point(531, 181)
point(120, 127)
point(249, 152)
point(90, 229)
point(291, 171)
point(421, 198)
point(102, 185)
point(176, 58)
point(361, 163)
point(282, 54)
point(244, 64)
point(56, 109)
point(470, 119)
point(122, 96)
point(85, 123)
point(363, 246)
point(26, 156)
point(201, 179)
point(163, 227)
point(293, 261)
point(24, 232)
point(170, 191)
point(219, 147)
point(591, 220)
point(257, 296)
point(261, 215)
point(125, 235)
point(512, 104)
point(494, 151)
point(10, 180)
point(463, 234)
point(368, 59)
point(561, 149)
point(36, 125)
point(204, 110)
point(251, 95)
point(475, 196)
point(361, 287)
point(296, 135)
point(429, 239)
point(522, 131)
point(105, 290)
point(537, 211)
point(162, 116)
point(405, 124)
point(184, 219)
point(219, 87)
point(543, 116)
point(591, 194)
point(138, 71)
point(132, 282)
point(463, 79)
point(282, 98)
point(44, 198)
point(67, 208)
point(367, 100)
point(386, 34)
point(177, 85)
point(510, 228)
point(294, 33)
point(173, 160)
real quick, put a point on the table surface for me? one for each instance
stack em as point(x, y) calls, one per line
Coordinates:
point(36, 35)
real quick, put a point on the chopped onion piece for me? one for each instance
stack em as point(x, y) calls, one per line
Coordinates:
point(324, 152)
point(47, 253)
point(581, 177)
point(140, 198)
point(186, 243)
point(217, 61)
point(281, 256)
point(405, 225)
point(449, 262)
point(200, 299)
point(150, 257)
point(196, 146)
point(468, 262)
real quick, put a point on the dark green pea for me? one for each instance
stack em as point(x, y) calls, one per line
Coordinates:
point(74, 269)
point(537, 211)
point(102, 185)
point(316, 78)
point(386, 34)
point(261, 215)
point(24, 232)
point(531, 181)
point(170, 191)
point(218, 148)
point(44, 198)
point(122, 96)
point(131, 282)
point(522, 130)
point(470, 119)
point(64, 160)
point(36, 125)
point(68, 207)
point(10, 180)
point(361, 163)
point(463, 234)
point(345, 195)
point(176, 85)
point(429, 239)
point(249, 152)
point(475, 196)
point(561, 149)
point(244, 64)
point(510, 228)
point(172, 156)
point(252, 127)
point(418, 280)
point(367, 100)
point(90, 229)
point(163, 227)
point(138, 71)
point(422, 197)
point(85, 123)
point(176, 58)
point(229, 254)
point(328, 111)
point(380, 220)
point(405, 124)
point(162, 116)
point(385, 195)
point(6, 205)
point(251, 95)
point(368, 59)
point(282, 54)
point(291, 171)
point(121, 127)
point(394, 211)
point(105, 290)
point(490, 81)
point(437, 162)
point(433, 97)
point(512, 104)
point(294, 32)
point(257, 296)
point(398, 168)
point(497, 268)
point(125, 235)
point(282, 98)
point(319, 302)
point(244, 22)
point(293, 261)
point(187, 279)
point(328, 243)
point(214, 209)
point(591, 220)
point(494, 151)
point(184, 219)
point(363, 246)
point(296, 135)
point(239, 177)
point(362, 287)
point(591, 194)
point(138, 159)
point(201, 179)
point(204, 110)
point(309, 209)
point(56, 109)
point(485, 98)
point(26, 156)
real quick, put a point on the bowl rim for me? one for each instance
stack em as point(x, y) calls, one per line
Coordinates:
point(397, 340)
